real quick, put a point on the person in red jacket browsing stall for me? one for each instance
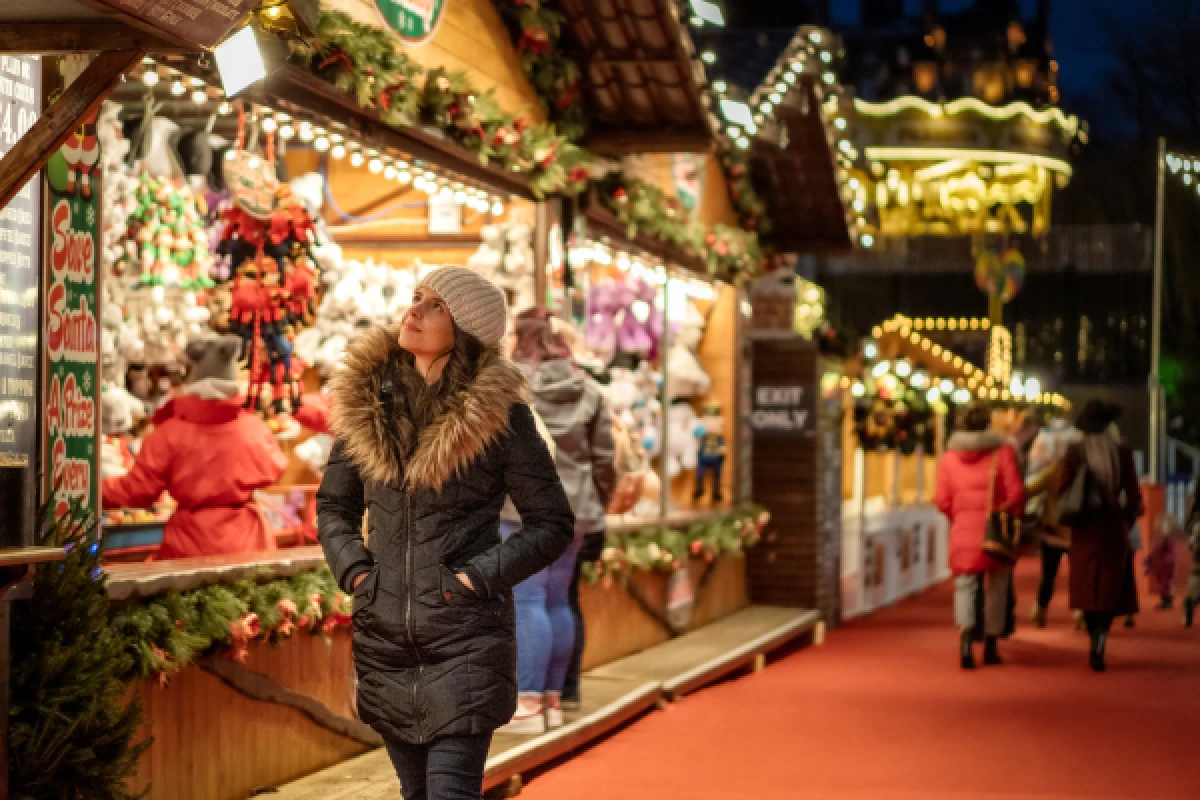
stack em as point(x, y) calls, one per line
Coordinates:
point(977, 461)
point(210, 454)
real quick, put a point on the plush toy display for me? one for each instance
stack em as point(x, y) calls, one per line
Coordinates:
point(622, 319)
point(506, 258)
point(682, 446)
point(685, 376)
point(710, 439)
point(267, 232)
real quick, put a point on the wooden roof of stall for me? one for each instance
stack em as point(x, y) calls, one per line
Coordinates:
point(642, 78)
point(800, 180)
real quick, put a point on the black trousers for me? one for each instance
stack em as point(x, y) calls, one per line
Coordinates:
point(570, 691)
point(1051, 560)
point(447, 768)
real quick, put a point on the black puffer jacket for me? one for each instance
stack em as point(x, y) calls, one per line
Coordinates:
point(433, 657)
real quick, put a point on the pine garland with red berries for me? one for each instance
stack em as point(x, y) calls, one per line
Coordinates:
point(663, 549)
point(168, 632)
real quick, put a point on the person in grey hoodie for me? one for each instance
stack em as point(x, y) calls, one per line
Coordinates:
point(573, 410)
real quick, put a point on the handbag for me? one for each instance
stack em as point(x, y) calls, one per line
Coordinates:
point(1081, 498)
point(1002, 534)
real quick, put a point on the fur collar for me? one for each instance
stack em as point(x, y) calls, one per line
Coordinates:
point(975, 441)
point(477, 417)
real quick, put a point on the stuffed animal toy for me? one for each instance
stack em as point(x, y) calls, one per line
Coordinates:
point(710, 438)
point(686, 378)
point(622, 318)
point(120, 411)
point(682, 447)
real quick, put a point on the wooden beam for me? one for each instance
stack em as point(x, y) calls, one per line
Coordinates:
point(81, 98)
point(625, 141)
point(93, 36)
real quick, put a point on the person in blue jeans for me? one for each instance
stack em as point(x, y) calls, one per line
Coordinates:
point(573, 414)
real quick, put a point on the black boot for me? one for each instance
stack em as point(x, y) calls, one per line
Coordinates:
point(1189, 611)
point(991, 652)
point(1168, 602)
point(964, 647)
point(1096, 654)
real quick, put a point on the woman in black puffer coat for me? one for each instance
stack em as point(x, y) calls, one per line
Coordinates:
point(432, 433)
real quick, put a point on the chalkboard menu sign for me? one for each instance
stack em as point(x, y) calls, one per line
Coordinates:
point(20, 268)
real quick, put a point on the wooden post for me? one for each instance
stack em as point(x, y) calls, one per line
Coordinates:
point(80, 99)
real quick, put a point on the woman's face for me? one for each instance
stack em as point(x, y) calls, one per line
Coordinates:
point(427, 329)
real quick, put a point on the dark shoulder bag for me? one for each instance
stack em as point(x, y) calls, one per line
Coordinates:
point(1002, 536)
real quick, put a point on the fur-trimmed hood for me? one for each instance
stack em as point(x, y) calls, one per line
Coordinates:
point(974, 445)
point(477, 417)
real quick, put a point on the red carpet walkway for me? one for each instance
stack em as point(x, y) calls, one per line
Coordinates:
point(883, 711)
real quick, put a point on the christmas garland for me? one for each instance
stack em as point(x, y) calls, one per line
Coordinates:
point(663, 549)
point(536, 32)
point(363, 61)
point(168, 632)
point(728, 252)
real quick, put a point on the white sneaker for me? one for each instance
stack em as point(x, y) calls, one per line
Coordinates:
point(528, 719)
point(552, 704)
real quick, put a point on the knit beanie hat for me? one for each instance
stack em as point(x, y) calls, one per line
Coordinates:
point(476, 304)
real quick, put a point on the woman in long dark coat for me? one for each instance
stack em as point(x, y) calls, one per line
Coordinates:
point(1102, 578)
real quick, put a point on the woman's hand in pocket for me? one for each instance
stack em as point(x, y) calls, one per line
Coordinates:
point(465, 581)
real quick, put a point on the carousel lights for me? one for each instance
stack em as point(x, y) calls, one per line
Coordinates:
point(870, 350)
point(903, 368)
point(962, 396)
point(776, 98)
point(827, 56)
point(933, 395)
point(829, 78)
point(866, 240)
point(790, 77)
point(720, 86)
point(814, 37)
point(782, 87)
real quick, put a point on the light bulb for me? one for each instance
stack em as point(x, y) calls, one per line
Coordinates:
point(933, 395)
point(357, 159)
point(150, 77)
point(766, 107)
point(375, 166)
point(446, 193)
point(858, 389)
point(719, 86)
point(336, 138)
point(320, 145)
point(286, 132)
point(827, 56)
point(177, 87)
point(404, 176)
point(460, 197)
point(338, 151)
point(743, 143)
point(790, 77)
point(389, 172)
point(867, 240)
point(828, 77)
point(870, 350)
point(307, 134)
point(708, 57)
point(269, 125)
point(224, 108)
point(199, 97)
point(840, 124)
point(253, 162)
point(947, 386)
point(497, 208)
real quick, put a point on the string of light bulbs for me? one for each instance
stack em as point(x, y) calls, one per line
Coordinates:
point(324, 139)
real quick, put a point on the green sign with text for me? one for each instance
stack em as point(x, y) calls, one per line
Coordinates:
point(71, 329)
point(414, 20)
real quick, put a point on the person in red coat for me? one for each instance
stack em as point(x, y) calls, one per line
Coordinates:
point(978, 461)
point(211, 455)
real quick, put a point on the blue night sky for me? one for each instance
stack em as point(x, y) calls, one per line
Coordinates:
point(1075, 26)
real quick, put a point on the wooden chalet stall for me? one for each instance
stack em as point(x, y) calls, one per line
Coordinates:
point(899, 397)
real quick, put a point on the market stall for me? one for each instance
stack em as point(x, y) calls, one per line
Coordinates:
point(273, 222)
point(900, 395)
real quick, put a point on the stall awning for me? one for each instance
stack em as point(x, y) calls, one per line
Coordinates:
point(642, 79)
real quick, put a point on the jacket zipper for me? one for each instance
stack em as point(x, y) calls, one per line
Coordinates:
point(408, 601)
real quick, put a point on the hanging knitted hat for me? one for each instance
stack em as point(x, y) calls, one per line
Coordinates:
point(476, 304)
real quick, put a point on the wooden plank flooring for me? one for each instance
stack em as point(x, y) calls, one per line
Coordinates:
point(613, 694)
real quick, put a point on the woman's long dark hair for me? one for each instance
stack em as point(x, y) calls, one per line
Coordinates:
point(417, 404)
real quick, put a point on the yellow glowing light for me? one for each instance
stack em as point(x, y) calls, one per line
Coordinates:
point(1069, 123)
point(937, 350)
point(982, 156)
point(877, 332)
